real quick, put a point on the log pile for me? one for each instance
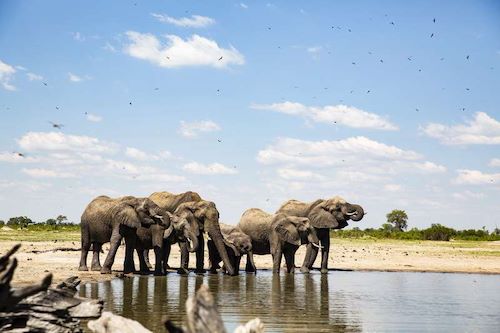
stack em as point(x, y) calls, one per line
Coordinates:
point(38, 308)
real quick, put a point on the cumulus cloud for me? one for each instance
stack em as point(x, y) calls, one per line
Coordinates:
point(476, 177)
point(392, 187)
point(140, 155)
point(195, 21)
point(34, 77)
point(193, 129)
point(13, 157)
point(466, 195)
point(208, 169)
point(47, 173)
point(93, 118)
point(331, 114)
point(74, 78)
point(32, 141)
point(290, 173)
point(327, 153)
point(482, 129)
point(429, 167)
point(179, 52)
point(6, 74)
point(495, 162)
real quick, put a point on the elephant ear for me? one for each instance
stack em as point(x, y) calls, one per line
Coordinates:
point(126, 215)
point(322, 217)
point(288, 231)
point(232, 246)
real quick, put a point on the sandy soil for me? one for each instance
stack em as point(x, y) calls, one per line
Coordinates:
point(382, 255)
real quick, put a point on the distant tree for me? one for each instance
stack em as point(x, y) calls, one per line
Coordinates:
point(61, 218)
point(496, 231)
point(2, 223)
point(51, 222)
point(387, 227)
point(19, 221)
point(398, 218)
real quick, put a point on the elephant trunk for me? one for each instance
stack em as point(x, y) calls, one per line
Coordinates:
point(216, 235)
point(192, 243)
point(356, 212)
point(250, 258)
point(313, 238)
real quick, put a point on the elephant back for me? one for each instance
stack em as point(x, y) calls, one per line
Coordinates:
point(256, 223)
point(169, 201)
point(296, 207)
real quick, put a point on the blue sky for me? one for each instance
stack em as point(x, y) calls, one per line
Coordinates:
point(374, 102)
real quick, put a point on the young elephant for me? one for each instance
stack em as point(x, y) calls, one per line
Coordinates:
point(109, 220)
point(182, 228)
point(237, 244)
point(278, 235)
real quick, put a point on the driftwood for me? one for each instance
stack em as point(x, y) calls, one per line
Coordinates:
point(39, 308)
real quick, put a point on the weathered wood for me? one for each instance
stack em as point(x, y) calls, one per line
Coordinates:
point(37, 308)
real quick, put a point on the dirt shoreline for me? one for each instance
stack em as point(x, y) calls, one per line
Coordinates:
point(345, 254)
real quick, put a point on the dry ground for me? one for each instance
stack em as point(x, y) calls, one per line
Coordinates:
point(351, 254)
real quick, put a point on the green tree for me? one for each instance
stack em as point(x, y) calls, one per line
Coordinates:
point(61, 218)
point(51, 222)
point(20, 222)
point(2, 223)
point(496, 231)
point(398, 218)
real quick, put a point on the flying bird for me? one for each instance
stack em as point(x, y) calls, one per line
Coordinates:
point(434, 20)
point(219, 140)
point(220, 58)
point(167, 57)
point(353, 63)
point(392, 23)
point(130, 103)
point(432, 35)
point(409, 58)
point(467, 57)
point(368, 92)
point(57, 108)
point(59, 126)
point(19, 154)
point(417, 109)
point(349, 30)
point(157, 88)
point(382, 61)
point(441, 59)
point(44, 83)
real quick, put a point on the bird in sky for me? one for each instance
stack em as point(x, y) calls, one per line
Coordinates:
point(393, 23)
point(417, 110)
point(57, 108)
point(220, 58)
point(353, 63)
point(219, 140)
point(167, 57)
point(467, 57)
point(409, 58)
point(44, 83)
point(130, 103)
point(368, 92)
point(432, 35)
point(381, 60)
point(157, 88)
point(59, 126)
point(434, 20)
point(19, 154)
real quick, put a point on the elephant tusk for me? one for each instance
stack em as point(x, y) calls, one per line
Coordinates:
point(158, 217)
point(350, 214)
point(317, 245)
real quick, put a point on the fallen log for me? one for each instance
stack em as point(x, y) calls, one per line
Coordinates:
point(39, 308)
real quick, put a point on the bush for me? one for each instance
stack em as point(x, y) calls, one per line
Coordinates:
point(19, 222)
point(438, 232)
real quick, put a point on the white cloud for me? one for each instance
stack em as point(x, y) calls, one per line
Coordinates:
point(33, 141)
point(296, 174)
point(392, 187)
point(47, 173)
point(208, 169)
point(193, 129)
point(93, 118)
point(74, 78)
point(327, 153)
point(195, 21)
point(476, 177)
point(331, 114)
point(483, 129)
point(429, 167)
point(34, 77)
point(468, 195)
point(495, 162)
point(314, 49)
point(194, 51)
point(243, 5)
point(140, 155)
point(6, 73)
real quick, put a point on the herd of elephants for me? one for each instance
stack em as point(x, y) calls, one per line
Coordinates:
point(163, 218)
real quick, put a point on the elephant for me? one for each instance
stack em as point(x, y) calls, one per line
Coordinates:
point(207, 217)
point(237, 244)
point(182, 228)
point(277, 234)
point(109, 220)
point(324, 215)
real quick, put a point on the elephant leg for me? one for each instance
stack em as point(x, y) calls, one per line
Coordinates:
point(166, 253)
point(146, 258)
point(128, 263)
point(183, 269)
point(85, 249)
point(213, 257)
point(250, 266)
point(96, 249)
point(237, 261)
point(290, 260)
point(200, 255)
point(158, 261)
point(115, 241)
point(325, 242)
point(143, 267)
point(310, 257)
point(277, 253)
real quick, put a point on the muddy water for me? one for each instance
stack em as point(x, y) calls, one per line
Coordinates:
point(334, 302)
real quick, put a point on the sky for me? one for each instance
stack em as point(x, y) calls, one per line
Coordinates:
point(388, 104)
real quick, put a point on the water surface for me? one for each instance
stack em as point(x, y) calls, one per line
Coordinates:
point(334, 302)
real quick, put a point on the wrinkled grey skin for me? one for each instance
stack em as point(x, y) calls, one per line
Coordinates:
point(159, 238)
point(277, 234)
point(237, 244)
point(207, 217)
point(109, 220)
point(324, 215)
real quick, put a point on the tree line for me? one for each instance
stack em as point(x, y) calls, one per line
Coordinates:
point(396, 227)
point(24, 222)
